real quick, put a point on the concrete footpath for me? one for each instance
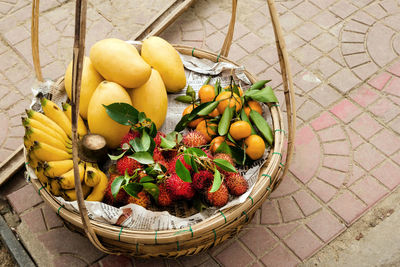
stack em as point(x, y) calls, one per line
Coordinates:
point(338, 206)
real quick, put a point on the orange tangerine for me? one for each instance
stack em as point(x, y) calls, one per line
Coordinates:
point(206, 93)
point(217, 141)
point(194, 123)
point(253, 105)
point(240, 130)
point(208, 129)
point(239, 89)
point(228, 98)
point(255, 146)
point(214, 113)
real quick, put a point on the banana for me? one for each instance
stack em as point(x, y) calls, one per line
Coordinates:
point(92, 177)
point(70, 194)
point(48, 122)
point(40, 175)
point(27, 143)
point(34, 134)
point(82, 130)
point(67, 179)
point(45, 152)
point(57, 168)
point(55, 187)
point(52, 111)
point(100, 189)
point(31, 159)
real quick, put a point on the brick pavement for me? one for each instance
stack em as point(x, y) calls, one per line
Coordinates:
point(345, 61)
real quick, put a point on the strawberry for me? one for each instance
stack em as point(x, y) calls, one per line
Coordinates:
point(157, 139)
point(202, 180)
point(179, 189)
point(126, 163)
point(172, 164)
point(128, 137)
point(236, 184)
point(142, 200)
point(164, 199)
point(218, 198)
point(121, 197)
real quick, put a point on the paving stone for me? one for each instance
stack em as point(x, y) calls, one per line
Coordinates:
point(307, 81)
point(367, 156)
point(352, 48)
point(337, 56)
point(3, 130)
point(340, 163)
point(307, 54)
point(365, 126)
point(306, 202)
point(392, 87)
point(348, 207)
point(323, 121)
point(332, 134)
point(66, 260)
point(352, 37)
point(269, 54)
point(343, 9)
point(333, 177)
point(24, 198)
point(258, 240)
point(344, 80)
point(324, 191)
point(254, 64)
point(380, 80)
point(289, 209)
point(379, 44)
point(376, 10)
point(308, 110)
point(369, 190)
point(240, 31)
point(114, 260)
point(289, 21)
point(308, 31)
point(325, 95)
point(280, 257)
point(303, 243)
point(356, 60)
point(149, 262)
point(16, 35)
point(195, 260)
point(273, 75)
point(214, 42)
point(236, 53)
point(395, 125)
point(306, 10)
point(293, 42)
point(282, 230)
point(326, 19)
point(209, 263)
point(286, 187)
point(251, 42)
point(337, 148)
point(219, 19)
point(356, 174)
point(356, 26)
point(395, 68)
point(384, 109)
point(345, 110)
point(234, 255)
point(388, 174)
point(325, 42)
point(325, 225)
point(51, 218)
point(34, 220)
point(364, 96)
point(193, 35)
point(270, 212)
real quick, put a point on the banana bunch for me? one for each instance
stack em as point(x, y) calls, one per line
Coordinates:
point(48, 142)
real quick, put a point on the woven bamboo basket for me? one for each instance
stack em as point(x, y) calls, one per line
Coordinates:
point(114, 239)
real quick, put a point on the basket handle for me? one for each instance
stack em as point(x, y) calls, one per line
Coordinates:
point(229, 35)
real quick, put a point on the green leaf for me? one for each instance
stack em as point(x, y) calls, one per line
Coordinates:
point(224, 148)
point(143, 157)
point(142, 117)
point(262, 126)
point(259, 84)
point(146, 179)
point(116, 185)
point(112, 157)
point(153, 130)
point(207, 81)
point(145, 141)
point(265, 95)
point(152, 189)
point(184, 99)
point(187, 158)
point(208, 109)
point(190, 92)
point(244, 117)
point(217, 181)
point(182, 172)
point(122, 113)
point(217, 87)
point(174, 136)
point(194, 165)
point(225, 165)
point(168, 144)
point(182, 123)
point(237, 155)
point(225, 122)
point(133, 189)
point(235, 89)
point(196, 151)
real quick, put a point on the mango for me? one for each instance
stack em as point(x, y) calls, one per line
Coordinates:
point(119, 62)
point(162, 56)
point(90, 80)
point(99, 121)
point(151, 98)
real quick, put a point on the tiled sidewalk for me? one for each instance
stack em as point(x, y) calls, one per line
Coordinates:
point(345, 61)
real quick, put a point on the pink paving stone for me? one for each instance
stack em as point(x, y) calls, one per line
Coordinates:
point(386, 141)
point(303, 243)
point(380, 80)
point(214, 41)
point(258, 240)
point(365, 126)
point(388, 174)
point(367, 156)
point(395, 124)
point(66, 260)
point(344, 80)
point(270, 213)
point(290, 210)
point(254, 64)
point(384, 109)
point(323, 121)
point(286, 187)
point(345, 110)
point(364, 96)
point(306, 202)
point(356, 173)
point(236, 52)
point(348, 207)
point(323, 190)
point(34, 220)
point(369, 190)
point(307, 155)
point(114, 260)
point(355, 138)
point(251, 42)
point(308, 110)
point(337, 148)
point(282, 230)
point(340, 163)
point(4, 127)
point(51, 218)
point(234, 255)
point(280, 257)
point(395, 68)
point(325, 225)
point(24, 198)
point(333, 177)
point(269, 54)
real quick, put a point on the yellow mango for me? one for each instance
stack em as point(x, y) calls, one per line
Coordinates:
point(162, 56)
point(151, 98)
point(98, 119)
point(119, 62)
point(90, 80)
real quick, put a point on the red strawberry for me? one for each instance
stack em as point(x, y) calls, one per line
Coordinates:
point(194, 139)
point(202, 180)
point(236, 184)
point(121, 197)
point(126, 163)
point(179, 189)
point(218, 198)
point(172, 164)
point(128, 137)
point(142, 200)
point(157, 139)
point(164, 199)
